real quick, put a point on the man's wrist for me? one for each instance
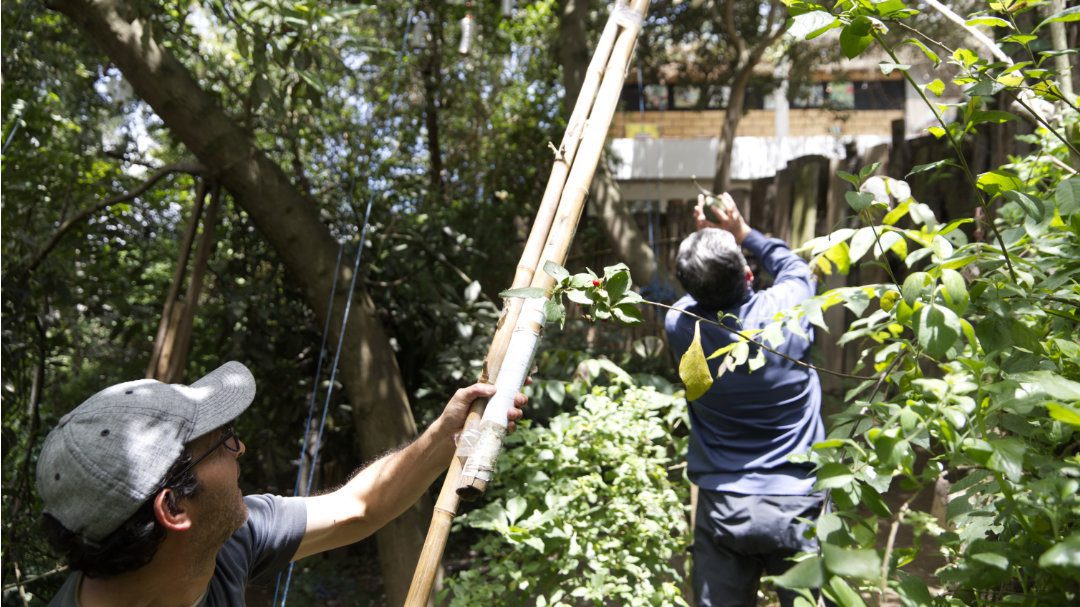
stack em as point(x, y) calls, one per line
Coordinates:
point(743, 231)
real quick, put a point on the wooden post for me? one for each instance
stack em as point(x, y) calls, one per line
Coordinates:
point(163, 340)
point(610, 59)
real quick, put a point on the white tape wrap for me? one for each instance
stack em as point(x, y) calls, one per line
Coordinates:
point(519, 355)
point(627, 18)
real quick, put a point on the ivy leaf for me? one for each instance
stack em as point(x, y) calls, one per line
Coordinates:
point(693, 368)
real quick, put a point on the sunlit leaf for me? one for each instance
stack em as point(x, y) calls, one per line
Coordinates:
point(693, 368)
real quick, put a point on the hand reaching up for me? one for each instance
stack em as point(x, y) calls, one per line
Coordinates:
point(721, 213)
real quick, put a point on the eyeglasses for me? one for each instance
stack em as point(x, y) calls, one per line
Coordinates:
point(229, 440)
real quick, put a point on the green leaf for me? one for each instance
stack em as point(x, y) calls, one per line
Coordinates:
point(859, 563)
point(936, 131)
point(992, 559)
point(527, 292)
point(804, 574)
point(937, 87)
point(989, 22)
point(920, 168)
point(937, 330)
point(888, 68)
point(554, 312)
point(839, 592)
point(1032, 207)
point(956, 294)
point(966, 57)
point(997, 181)
point(694, 369)
point(874, 502)
point(992, 116)
point(515, 507)
point(855, 37)
point(858, 200)
point(1067, 196)
point(628, 314)
point(916, 286)
point(1064, 555)
point(1049, 383)
point(1064, 413)
point(861, 242)
point(931, 55)
point(1068, 15)
point(1019, 38)
point(912, 590)
point(804, 25)
point(579, 297)
point(848, 177)
point(555, 271)
point(1007, 458)
point(834, 476)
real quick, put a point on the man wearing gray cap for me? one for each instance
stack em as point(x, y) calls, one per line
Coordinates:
point(140, 493)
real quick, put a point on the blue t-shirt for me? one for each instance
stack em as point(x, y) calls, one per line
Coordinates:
point(744, 428)
point(261, 547)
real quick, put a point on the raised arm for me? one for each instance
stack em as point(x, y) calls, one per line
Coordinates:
point(793, 281)
point(383, 490)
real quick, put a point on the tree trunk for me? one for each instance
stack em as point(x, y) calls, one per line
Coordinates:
point(732, 115)
point(290, 222)
point(432, 77)
point(574, 53)
point(621, 228)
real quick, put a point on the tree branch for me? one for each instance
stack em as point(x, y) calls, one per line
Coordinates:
point(185, 166)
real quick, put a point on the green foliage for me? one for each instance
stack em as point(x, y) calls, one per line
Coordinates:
point(589, 510)
point(973, 349)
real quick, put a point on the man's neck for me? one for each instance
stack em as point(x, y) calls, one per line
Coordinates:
point(171, 579)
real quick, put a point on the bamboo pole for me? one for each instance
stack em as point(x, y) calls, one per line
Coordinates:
point(478, 469)
point(530, 266)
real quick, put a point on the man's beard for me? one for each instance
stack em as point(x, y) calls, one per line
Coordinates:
point(223, 512)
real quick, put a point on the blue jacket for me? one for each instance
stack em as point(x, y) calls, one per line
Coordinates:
point(744, 428)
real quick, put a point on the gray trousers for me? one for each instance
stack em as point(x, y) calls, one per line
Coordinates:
point(739, 538)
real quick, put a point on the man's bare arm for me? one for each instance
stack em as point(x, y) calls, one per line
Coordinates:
point(389, 486)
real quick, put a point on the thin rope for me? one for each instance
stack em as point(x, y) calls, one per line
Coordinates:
point(345, 314)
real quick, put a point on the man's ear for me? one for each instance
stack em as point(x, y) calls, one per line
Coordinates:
point(749, 274)
point(169, 513)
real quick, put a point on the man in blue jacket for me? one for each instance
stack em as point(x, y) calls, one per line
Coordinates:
point(748, 424)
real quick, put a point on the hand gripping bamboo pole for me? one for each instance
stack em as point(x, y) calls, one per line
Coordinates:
point(448, 501)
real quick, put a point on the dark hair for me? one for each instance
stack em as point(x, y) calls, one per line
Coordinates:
point(134, 543)
point(711, 267)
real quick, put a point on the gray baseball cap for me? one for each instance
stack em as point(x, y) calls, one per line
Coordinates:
point(111, 453)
